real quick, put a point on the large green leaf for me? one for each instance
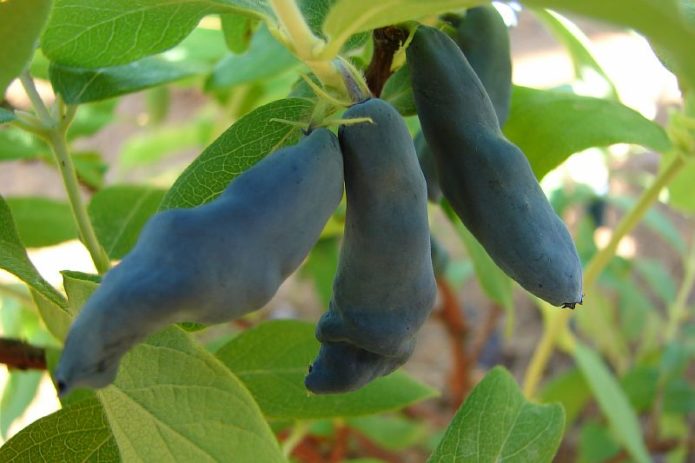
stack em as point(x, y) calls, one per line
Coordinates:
point(21, 22)
point(173, 401)
point(84, 34)
point(613, 402)
point(578, 46)
point(80, 85)
point(77, 433)
point(496, 423)
point(246, 142)
point(348, 17)
point(264, 59)
point(119, 213)
point(551, 125)
point(272, 360)
point(664, 22)
point(14, 258)
point(42, 221)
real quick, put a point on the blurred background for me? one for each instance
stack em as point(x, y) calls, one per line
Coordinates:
point(154, 134)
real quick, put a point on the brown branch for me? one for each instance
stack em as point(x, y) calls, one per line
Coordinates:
point(457, 330)
point(340, 447)
point(370, 449)
point(21, 355)
point(243, 323)
point(387, 41)
point(306, 452)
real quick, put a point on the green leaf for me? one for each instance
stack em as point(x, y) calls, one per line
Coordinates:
point(264, 59)
point(77, 433)
point(570, 389)
point(42, 221)
point(680, 188)
point(392, 433)
point(600, 324)
point(272, 359)
point(17, 320)
point(174, 401)
point(6, 116)
point(679, 397)
point(551, 125)
point(152, 146)
point(348, 17)
point(79, 286)
point(496, 423)
point(158, 103)
point(596, 444)
point(238, 30)
point(640, 386)
point(83, 34)
point(18, 393)
point(14, 258)
point(38, 67)
point(496, 284)
point(658, 278)
point(204, 47)
point(90, 168)
point(613, 402)
point(91, 118)
point(321, 266)
point(18, 144)
point(80, 85)
point(664, 22)
point(118, 213)
point(21, 22)
point(398, 92)
point(245, 143)
point(56, 318)
point(634, 305)
point(578, 46)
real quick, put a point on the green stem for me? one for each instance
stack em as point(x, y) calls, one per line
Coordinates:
point(305, 44)
point(677, 312)
point(55, 129)
point(648, 198)
point(36, 101)
point(556, 324)
point(79, 211)
point(299, 430)
point(300, 36)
